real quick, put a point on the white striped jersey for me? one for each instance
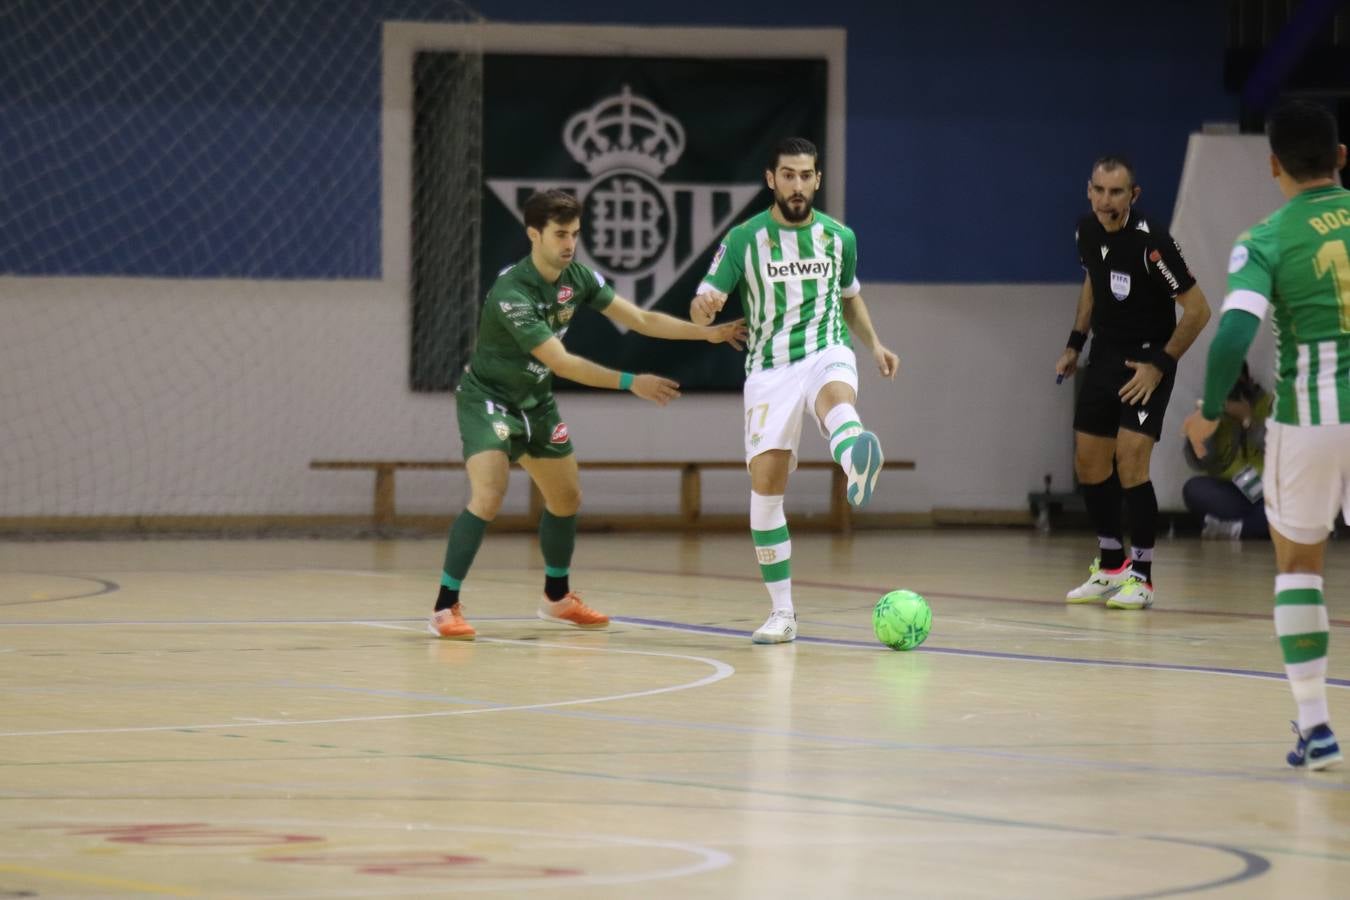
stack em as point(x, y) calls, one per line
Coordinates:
point(792, 280)
point(1296, 265)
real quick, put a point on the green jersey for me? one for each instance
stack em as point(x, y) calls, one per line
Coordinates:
point(521, 312)
point(792, 281)
point(1296, 264)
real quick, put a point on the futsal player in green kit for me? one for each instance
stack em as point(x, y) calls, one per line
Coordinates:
point(796, 270)
point(506, 409)
point(1295, 266)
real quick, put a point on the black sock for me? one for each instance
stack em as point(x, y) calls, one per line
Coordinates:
point(555, 586)
point(557, 539)
point(1103, 508)
point(446, 598)
point(1143, 568)
point(1142, 504)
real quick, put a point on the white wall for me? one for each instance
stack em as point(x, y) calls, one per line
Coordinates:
point(173, 397)
point(1225, 189)
point(160, 397)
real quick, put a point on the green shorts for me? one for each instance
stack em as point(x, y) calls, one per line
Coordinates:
point(485, 424)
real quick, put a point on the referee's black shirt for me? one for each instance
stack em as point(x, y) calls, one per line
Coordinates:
point(1137, 274)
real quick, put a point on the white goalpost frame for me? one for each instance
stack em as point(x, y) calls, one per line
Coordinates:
point(403, 40)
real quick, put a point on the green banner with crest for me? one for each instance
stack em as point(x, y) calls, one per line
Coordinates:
point(665, 156)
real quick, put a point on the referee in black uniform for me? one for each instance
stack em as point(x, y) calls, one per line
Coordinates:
point(1134, 275)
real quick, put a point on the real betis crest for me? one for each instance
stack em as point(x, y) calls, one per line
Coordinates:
point(640, 231)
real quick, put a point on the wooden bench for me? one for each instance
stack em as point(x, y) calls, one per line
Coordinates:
point(691, 485)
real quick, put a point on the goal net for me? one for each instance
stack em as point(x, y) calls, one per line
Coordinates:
point(195, 292)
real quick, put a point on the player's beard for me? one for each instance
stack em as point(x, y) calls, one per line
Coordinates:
point(791, 215)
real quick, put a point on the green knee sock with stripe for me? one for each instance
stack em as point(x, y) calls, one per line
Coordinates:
point(773, 547)
point(1303, 628)
point(466, 536)
point(844, 426)
point(557, 539)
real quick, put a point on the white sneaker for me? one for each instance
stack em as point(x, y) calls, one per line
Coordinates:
point(1101, 583)
point(779, 628)
point(1220, 529)
point(1136, 593)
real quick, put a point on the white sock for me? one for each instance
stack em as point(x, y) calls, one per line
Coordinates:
point(773, 547)
point(844, 426)
point(1308, 681)
point(1301, 616)
point(780, 594)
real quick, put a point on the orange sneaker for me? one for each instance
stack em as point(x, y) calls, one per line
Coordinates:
point(571, 611)
point(449, 623)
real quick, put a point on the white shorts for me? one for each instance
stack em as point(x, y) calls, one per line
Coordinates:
point(776, 399)
point(1306, 479)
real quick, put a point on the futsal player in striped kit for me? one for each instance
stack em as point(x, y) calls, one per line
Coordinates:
point(1295, 267)
point(796, 269)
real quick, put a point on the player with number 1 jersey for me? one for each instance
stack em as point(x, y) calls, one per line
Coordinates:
point(1295, 267)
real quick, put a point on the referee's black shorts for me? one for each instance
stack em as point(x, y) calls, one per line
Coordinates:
point(1101, 412)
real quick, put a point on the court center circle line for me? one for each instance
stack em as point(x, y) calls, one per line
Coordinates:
point(720, 672)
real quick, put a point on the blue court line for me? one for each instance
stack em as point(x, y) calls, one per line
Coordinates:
point(1286, 777)
point(981, 654)
point(723, 632)
point(876, 591)
point(1167, 610)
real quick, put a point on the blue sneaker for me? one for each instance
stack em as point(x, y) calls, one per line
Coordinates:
point(1318, 750)
point(864, 466)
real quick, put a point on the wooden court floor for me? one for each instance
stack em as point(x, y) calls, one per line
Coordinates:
point(268, 719)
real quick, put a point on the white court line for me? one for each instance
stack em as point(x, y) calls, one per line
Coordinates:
point(721, 671)
point(359, 573)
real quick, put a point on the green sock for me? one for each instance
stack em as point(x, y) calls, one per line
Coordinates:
point(466, 536)
point(557, 539)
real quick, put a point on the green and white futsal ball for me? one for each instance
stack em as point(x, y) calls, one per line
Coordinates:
point(901, 620)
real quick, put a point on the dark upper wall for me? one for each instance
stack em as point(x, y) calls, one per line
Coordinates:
point(970, 128)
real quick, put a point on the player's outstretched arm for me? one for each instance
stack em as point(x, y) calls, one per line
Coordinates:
point(705, 307)
point(553, 354)
point(660, 325)
point(860, 324)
